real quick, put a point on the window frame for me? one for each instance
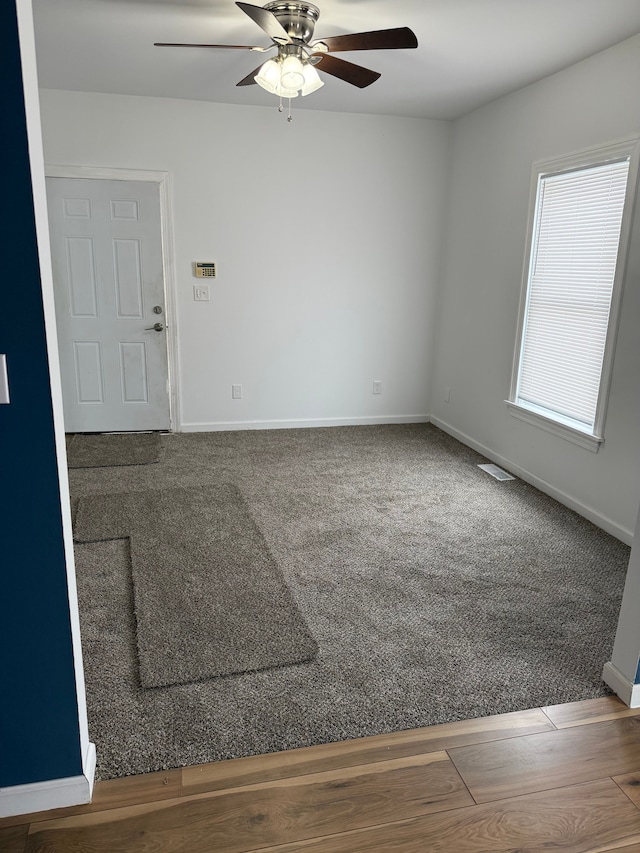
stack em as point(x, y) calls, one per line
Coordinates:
point(590, 439)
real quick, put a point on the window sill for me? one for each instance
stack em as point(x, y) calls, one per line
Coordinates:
point(576, 436)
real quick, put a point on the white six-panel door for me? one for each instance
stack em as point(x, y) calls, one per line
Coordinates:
point(106, 249)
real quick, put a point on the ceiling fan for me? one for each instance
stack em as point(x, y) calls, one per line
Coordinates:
point(292, 71)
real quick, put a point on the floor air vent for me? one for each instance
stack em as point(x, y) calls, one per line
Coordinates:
point(496, 472)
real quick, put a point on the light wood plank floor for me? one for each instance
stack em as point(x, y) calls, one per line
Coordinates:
point(563, 778)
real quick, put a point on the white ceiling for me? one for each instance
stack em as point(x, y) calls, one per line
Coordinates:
point(469, 51)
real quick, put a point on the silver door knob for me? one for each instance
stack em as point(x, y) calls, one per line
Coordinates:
point(157, 327)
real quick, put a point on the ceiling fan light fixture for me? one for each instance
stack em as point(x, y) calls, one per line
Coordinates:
point(312, 81)
point(292, 74)
point(269, 76)
point(290, 25)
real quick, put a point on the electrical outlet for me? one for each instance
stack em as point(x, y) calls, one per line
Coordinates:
point(236, 392)
point(377, 386)
point(201, 293)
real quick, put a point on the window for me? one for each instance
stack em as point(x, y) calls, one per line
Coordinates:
point(573, 279)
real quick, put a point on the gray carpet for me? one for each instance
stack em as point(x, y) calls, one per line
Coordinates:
point(91, 450)
point(209, 599)
point(435, 593)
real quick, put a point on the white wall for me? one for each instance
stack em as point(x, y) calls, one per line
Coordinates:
point(327, 237)
point(306, 323)
point(591, 103)
point(622, 672)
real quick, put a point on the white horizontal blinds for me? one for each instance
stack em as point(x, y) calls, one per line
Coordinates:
point(573, 263)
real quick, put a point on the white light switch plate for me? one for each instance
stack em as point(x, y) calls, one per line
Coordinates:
point(4, 380)
point(201, 293)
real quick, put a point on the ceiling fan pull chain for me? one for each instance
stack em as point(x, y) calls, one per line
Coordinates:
point(281, 109)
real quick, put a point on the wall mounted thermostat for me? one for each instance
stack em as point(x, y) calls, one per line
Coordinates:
point(202, 269)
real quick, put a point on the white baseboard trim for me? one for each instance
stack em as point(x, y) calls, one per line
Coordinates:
point(303, 423)
point(606, 524)
point(620, 684)
point(52, 794)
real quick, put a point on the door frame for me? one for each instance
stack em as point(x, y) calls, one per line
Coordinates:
point(163, 179)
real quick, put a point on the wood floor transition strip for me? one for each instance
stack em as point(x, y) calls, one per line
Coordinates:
point(315, 759)
point(589, 711)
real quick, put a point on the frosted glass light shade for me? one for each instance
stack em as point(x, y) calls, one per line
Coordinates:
point(292, 74)
point(312, 81)
point(269, 77)
point(286, 93)
point(276, 76)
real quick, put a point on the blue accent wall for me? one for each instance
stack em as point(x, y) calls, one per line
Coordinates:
point(39, 728)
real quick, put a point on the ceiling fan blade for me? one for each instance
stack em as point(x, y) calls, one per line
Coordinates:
point(399, 37)
point(267, 21)
point(347, 71)
point(249, 80)
point(226, 46)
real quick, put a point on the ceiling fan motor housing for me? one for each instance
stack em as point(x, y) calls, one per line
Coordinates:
point(298, 19)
